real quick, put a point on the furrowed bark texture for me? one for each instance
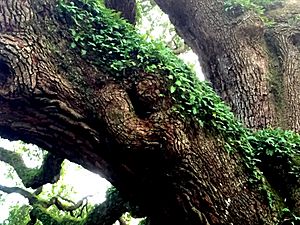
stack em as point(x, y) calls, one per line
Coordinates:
point(176, 172)
point(254, 68)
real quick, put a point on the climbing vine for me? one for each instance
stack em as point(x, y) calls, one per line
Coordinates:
point(279, 145)
point(120, 51)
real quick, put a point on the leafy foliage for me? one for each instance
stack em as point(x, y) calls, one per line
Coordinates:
point(289, 217)
point(18, 215)
point(121, 52)
point(280, 146)
point(98, 32)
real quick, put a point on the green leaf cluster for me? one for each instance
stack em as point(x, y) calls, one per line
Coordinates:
point(18, 215)
point(289, 217)
point(278, 146)
point(99, 33)
point(276, 150)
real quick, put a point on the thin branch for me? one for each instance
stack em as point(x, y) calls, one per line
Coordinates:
point(9, 190)
point(109, 211)
point(38, 191)
point(70, 208)
point(67, 200)
point(32, 220)
point(82, 208)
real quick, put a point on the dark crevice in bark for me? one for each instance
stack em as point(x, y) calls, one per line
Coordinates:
point(5, 72)
point(295, 38)
point(147, 94)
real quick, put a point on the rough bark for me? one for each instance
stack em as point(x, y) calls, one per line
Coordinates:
point(253, 67)
point(177, 172)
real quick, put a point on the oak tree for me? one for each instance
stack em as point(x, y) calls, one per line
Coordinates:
point(81, 83)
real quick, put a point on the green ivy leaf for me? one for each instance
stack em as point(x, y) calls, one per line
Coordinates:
point(172, 89)
point(178, 83)
point(73, 45)
point(83, 52)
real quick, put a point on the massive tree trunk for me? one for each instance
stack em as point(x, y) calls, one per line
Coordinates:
point(125, 129)
point(254, 66)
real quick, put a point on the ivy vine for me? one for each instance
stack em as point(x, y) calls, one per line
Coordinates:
point(119, 50)
point(100, 33)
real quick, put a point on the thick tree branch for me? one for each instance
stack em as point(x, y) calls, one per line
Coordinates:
point(109, 211)
point(283, 41)
point(48, 173)
point(53, 96)
point(219, 40)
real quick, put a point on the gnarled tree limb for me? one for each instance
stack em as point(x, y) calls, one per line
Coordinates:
point(49, 172)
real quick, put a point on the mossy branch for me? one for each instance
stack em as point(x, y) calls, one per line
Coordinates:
point(122, 51)
point(48, 173)
point(106, 213)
